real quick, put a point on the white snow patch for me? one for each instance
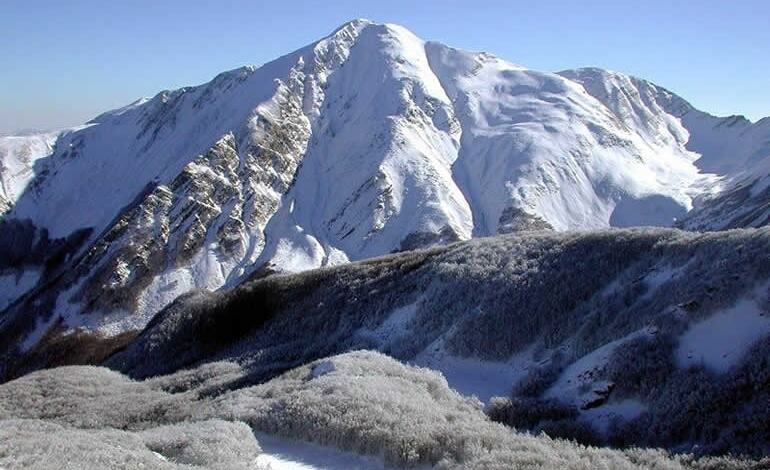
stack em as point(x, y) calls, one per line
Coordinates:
point(64, 311)
point(18, 155)
point(298, 252)
point(720, 341)
point(394, 327)
point(658, 277)
point(475, 377)
point(661, 275)
point(323, 368)
point(286, 454)
point(577, 383)
point(654, 210)
point(601, 417)
point(41, 328)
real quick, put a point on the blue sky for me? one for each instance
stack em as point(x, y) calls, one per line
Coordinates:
point(63, 62)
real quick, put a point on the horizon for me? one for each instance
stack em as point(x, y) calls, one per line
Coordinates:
point(58, 76)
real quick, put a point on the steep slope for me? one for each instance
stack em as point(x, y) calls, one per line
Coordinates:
point(366, 142)
point(732, 148)
point(745, 201)
point(175, 191)
point(539, 144)
point(18, 154)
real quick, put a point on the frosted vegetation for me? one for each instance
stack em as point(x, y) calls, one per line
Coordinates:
point(82, 416)
point(595, 320)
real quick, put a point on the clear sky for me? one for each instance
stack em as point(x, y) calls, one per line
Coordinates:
point(63, 62)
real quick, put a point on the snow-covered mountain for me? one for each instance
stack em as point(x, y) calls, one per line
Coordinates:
point(366, 142)
point(18, 154)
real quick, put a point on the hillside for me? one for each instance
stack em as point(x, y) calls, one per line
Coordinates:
point(647, 337)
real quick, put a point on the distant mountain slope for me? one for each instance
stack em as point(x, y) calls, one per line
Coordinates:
point(18, 154)
point(366, 142)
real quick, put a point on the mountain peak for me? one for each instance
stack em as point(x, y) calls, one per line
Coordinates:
point(365, 142)
point(355, 23)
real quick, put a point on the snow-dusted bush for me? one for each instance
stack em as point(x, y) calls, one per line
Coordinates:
point(215, 444)
point(208, 379)
point(91, 397)
point(700, 409)
point(538, 379)
point(486, 298)
point(528, 412)
point(46, 445)
point(640, 366)
point(362, 401)
point(89, 417)
point(371, 404)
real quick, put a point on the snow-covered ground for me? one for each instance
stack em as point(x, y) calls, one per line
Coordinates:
point(473, 377)
point(13, 284)
point(287, 454)
point(18, 155)
point(603, 416)
point(576, 384)
point(721, 340)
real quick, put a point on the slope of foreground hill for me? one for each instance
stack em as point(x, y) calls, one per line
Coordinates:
point(635, 337)
point(364, 402)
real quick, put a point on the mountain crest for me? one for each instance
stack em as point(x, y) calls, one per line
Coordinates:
point(365, 142)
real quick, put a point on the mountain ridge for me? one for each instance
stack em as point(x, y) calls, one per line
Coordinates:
point(368, 141)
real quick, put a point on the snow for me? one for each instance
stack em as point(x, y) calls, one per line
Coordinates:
point(474, 377)
point(602, 417)
point(577, 382)
point(722, 339)
point(323, 368)
point(287, 454)
point(660, 275)
point(395, 326)
point(655, 210)
point(15, 284)
point(18, 155)
point(469, 376)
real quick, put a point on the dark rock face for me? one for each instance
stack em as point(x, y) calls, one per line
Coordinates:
point(22, 244)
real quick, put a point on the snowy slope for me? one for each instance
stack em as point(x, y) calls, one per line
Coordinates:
point(733, 151)
point(18, 154)
point(745, 199)
point(363, 143)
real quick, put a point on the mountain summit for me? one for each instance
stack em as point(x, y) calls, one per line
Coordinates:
point(366, 142)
